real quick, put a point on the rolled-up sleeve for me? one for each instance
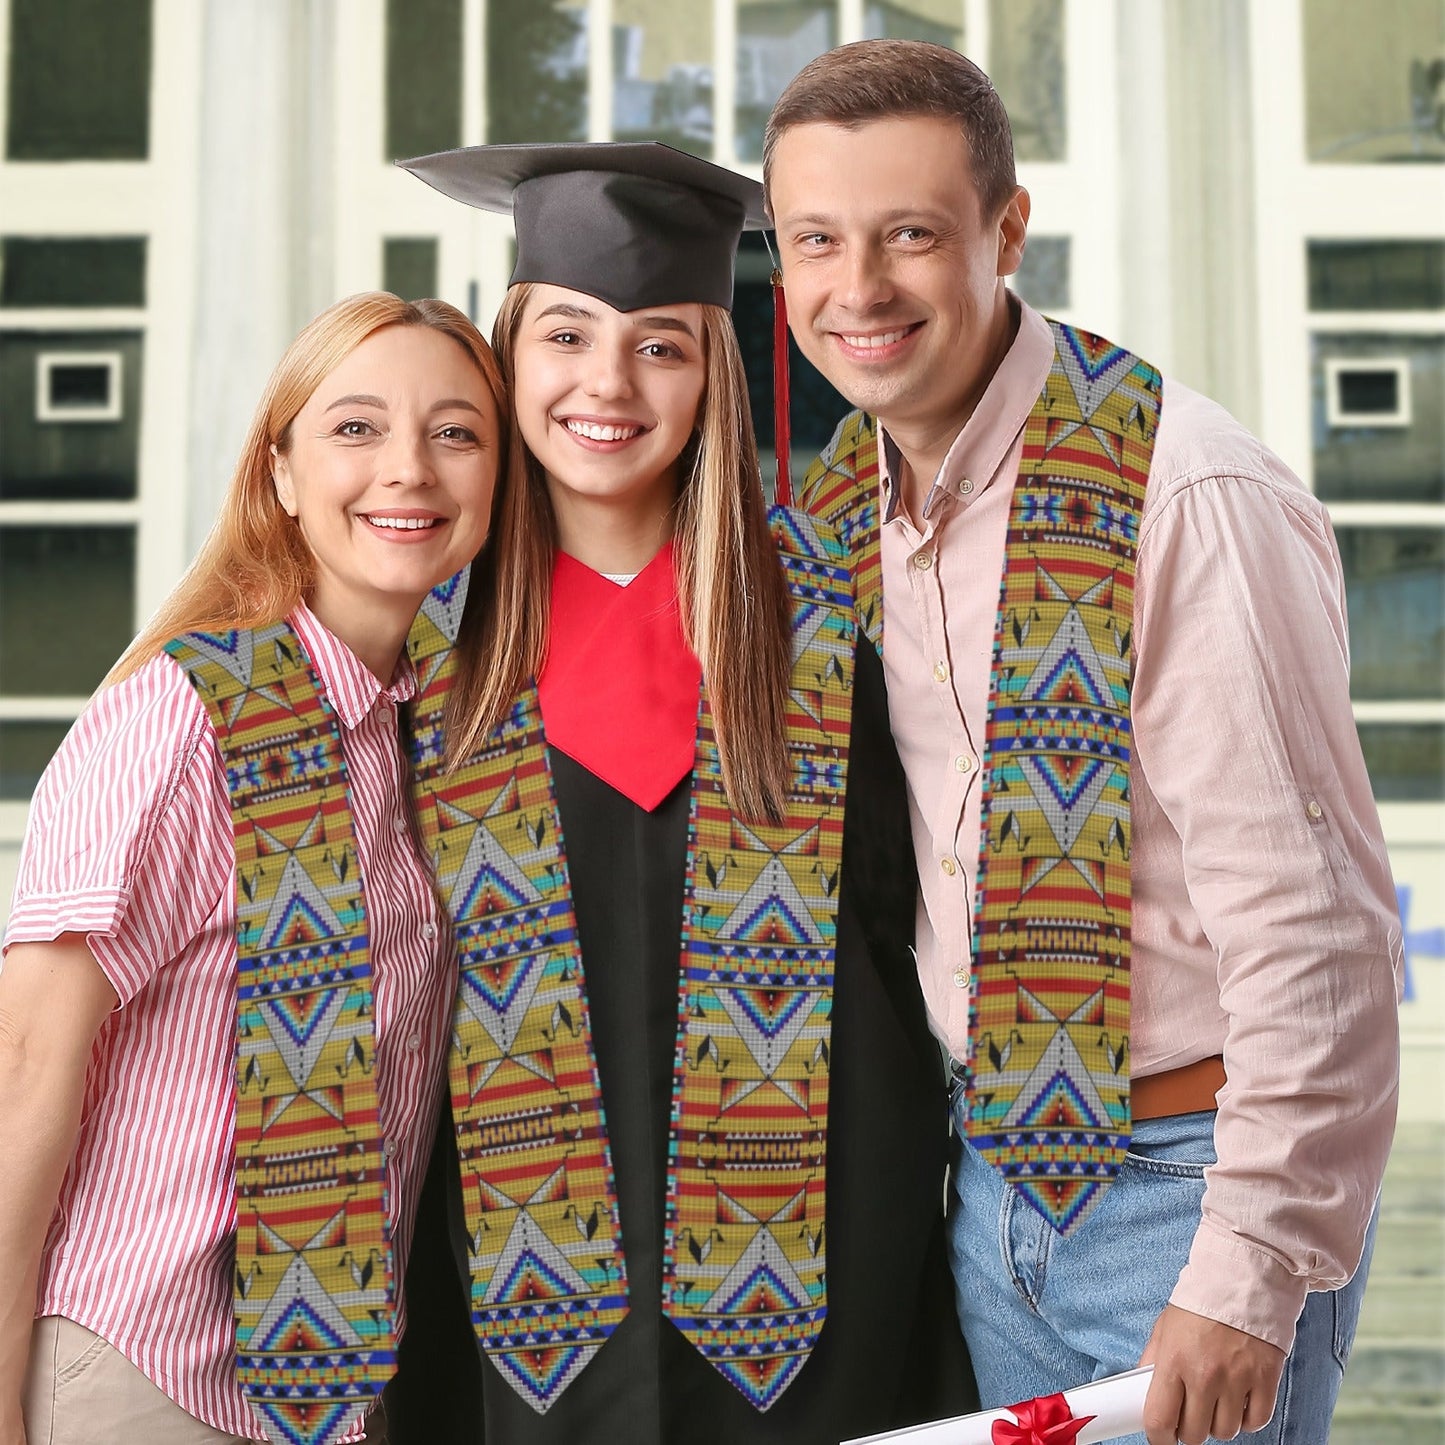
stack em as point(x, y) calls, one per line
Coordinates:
point(129, 838)
point(1244, 731)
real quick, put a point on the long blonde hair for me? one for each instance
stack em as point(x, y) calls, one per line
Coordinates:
point(732, 595)
point(255, 566)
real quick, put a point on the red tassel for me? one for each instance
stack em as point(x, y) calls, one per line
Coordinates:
point(782, 429)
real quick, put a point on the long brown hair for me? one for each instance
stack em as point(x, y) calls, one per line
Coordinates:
point(255, 566)
point(731, 592)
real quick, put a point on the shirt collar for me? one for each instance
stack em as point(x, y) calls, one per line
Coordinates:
point(979, 450)
point(350, 686)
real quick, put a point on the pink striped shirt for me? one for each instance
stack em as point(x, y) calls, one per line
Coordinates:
point(130, 843)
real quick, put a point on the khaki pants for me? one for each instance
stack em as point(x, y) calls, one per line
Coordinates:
point(81, 1391)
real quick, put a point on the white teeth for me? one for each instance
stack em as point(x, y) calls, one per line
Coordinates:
point(404, 524)
point(598, 432)
point(875, 343)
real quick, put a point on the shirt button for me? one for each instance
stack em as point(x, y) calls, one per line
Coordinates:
point(388, 1149)
point(398, 823)
point(1315, 811)
point(965, 487)
point(923, 561)
point(948, 866)
point(940, 672)
point(960, 978)
point(413, 1043)
point(963, 762)
point(428, 930)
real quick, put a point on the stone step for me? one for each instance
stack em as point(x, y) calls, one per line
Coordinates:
point(1402, 1307)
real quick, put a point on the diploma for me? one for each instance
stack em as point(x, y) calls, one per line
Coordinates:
point(1102, 1410)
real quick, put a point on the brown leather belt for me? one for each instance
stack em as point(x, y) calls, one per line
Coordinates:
point(1185, 1090)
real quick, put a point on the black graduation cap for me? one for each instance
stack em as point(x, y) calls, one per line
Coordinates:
point(633, 223)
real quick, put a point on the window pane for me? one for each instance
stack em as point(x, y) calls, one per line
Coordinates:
point(776, 39)
point(1373, 80)
point(423, 76)
point(1401, 458)
point(50, 271)
point(662, 73)
point(80, 80)
point(1026, 64)
point(1406, 761)
point(536, 70)
point(66, 460)
point(937, 21)
point(1377, 275)
point(67, 599)
point(1043, 278)
point(1395, 586)
point(25, 749)
point(409, 266)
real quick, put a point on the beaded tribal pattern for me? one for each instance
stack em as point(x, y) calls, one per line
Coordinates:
point(744, 1267)
point(1049, 1026)
point(313, 1279)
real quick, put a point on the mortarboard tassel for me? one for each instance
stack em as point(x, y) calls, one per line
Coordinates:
point(783, 491)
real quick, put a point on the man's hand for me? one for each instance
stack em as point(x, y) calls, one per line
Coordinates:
point(1209, 1379)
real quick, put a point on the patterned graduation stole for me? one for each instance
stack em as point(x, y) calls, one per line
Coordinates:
point(1049, 1004)
point(744, 1257)
point(314, 1293)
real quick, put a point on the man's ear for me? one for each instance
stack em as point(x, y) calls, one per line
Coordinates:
point(1013, 224)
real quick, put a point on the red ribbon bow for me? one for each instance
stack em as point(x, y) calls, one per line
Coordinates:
point(1045, 1421)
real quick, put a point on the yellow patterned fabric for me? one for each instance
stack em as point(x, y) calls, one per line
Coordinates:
point(744, 1274)
point(1049, 1021)
point(314, 1293)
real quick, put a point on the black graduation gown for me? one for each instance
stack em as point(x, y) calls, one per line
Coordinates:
point(890, 1353)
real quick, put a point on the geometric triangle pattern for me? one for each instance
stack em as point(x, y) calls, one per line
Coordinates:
point(746, 1191)
point(744, 1269)
point(314, 1293)
point(1053, 902)
point(548, 1278)
point(1052, 907)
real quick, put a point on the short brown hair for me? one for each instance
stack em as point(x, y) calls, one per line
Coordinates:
point(878, 79)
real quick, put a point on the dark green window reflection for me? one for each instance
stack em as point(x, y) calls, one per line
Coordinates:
point(536, 61)
point(25, 749)
point(776, 39)
point(1373, 80)
point(1406, 761)
point(662, 74)
point(1026, 64)
point(1395, 587)
point(940, 22)
point(423, 76)
point(80, 80)
point(72, 271)
point(1365, 449)
point(50, 458)
point(67, 605)
point(409, 266)
point(1043, 277)
point(1377, 275)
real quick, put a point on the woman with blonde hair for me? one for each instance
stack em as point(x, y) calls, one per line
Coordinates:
point(226, 980)
point(695, 1161)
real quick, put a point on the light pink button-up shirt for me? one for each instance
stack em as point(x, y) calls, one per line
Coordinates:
point(1264, 923)
point(130, 842)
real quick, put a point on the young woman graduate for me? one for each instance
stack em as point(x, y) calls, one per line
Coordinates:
point(699, 1122)
point(227, 981)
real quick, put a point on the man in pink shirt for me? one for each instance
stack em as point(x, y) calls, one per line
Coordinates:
point(1192, 1077)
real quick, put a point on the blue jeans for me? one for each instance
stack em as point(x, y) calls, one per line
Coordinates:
point(1042, 1313)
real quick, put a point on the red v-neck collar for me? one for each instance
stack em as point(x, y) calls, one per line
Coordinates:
point(619, 692)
